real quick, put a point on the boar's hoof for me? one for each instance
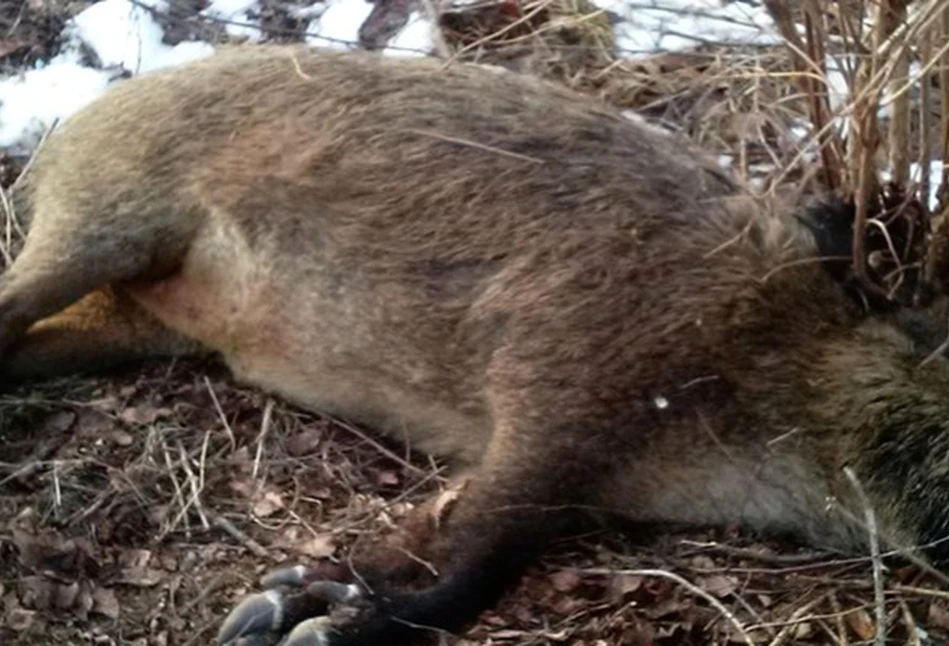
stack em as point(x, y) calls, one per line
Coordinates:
point(290, 612)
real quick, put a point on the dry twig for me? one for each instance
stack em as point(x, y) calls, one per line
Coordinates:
point(876, 559)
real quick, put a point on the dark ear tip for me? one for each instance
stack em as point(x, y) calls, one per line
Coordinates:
point(830, 221)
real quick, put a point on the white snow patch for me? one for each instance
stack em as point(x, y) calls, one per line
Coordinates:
point(229, 8)
point(238, 17)
point(637, 118)
point(415, 39)
point(31, 102)
point(126, 35)
point(307, 13)
point(935, 179)
point(121, 35)
point(338, 26)
point(801, 134)
point(836, 71)
point(757, 185)
point(670, 25)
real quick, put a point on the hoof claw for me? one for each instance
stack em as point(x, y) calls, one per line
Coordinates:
point(258, 613)
point(291, 576)
point(312, 632)
point(293, 606)
point(333, 592)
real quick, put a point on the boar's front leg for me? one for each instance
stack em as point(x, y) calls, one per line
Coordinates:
point(538, 476)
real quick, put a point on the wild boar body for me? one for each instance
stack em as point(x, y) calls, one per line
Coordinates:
point(573, 309)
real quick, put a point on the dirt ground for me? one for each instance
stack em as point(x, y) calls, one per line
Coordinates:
point(138, 508)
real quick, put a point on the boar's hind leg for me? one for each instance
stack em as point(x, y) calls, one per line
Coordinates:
point(529, 490)
point(67, 255)
point(105, 329)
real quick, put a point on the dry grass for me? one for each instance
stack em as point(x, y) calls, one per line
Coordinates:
point(891, 54)
point(137, 509)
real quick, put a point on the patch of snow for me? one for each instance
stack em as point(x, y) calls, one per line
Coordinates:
point(307, 13)
point(238, 17)
point(127, 35)
point(913, 80)
point(836, 71)
point(915, 174)
point(801, 134)
point(657, 128)
point(415, 39)
point(338, 26)
point(31, 102)
point(761, 168)
point(757, 185)
point(121, 34)
point(229, 7)
point(670, 25)
point(185, 52)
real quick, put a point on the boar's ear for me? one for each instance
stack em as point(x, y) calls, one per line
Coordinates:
point(926, 327)
point(830, 221)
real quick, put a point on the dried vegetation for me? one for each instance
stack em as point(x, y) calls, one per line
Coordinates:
point(135, 509)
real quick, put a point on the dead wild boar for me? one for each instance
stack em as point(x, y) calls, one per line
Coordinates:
point(575, 311)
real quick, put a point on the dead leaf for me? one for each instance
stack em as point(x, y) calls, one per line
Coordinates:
point(641, 633)
point(565, 580)
point(59, 422)
point(446, 500)
point(64, 596)
point(140, 577)
point(304, 442)
point(267, 504)
point(318, 547)
point(143, 415)
point(84, 602)
point(242, 487)
point(624, 584)
point(105, 602)
point(509, 634)
point(567, 606)
point(387, 478)
point(10, 46)
point(803, 630)
point(37, 592)
point(265, 500)
point(719, 585)
point(69, 558)
point(135, 558)
point(20, 619)
point(169, 562)
point(121, 438)
point(938, 615)
point(94, 424)
point(861, 623)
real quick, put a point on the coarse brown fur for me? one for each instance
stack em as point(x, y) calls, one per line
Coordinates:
point(573, 308)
